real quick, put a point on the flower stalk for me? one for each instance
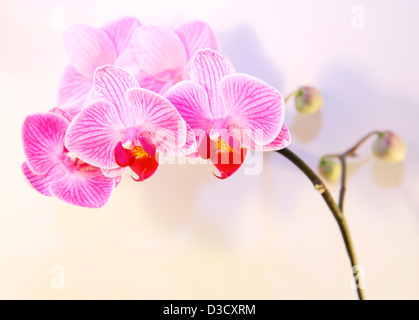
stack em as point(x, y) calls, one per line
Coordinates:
point(334, 208)
point(290, 96)
point(342, 158)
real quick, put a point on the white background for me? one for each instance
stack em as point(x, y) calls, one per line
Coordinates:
point(185, 234)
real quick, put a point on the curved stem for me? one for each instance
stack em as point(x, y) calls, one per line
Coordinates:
point(334, 208)
point(342, 182)
point(351, 151)
point(342, 157)
point(290, 96)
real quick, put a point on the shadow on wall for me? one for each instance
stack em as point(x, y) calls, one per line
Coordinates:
point(352, 103)
point(243, 47)
point(354, 107)
point(186, 201)
point(305, 127)
point(245, 50)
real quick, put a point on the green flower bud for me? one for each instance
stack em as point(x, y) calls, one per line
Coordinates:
point(389, 147)
point(308, 100)
point(331, 170)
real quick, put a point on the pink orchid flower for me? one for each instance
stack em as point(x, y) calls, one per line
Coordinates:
point(164, 55)
point(90, 48)
point(127, 127)
point(53, 171)
point(229, 112)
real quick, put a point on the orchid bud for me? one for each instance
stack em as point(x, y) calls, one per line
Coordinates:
point(389, 147)
point(308, 100)
point(331, 170)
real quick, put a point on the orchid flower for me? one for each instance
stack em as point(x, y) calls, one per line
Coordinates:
point(229, 112)
point(88, 49)
point(127, 127)
point(53, 171)
point(164, 55)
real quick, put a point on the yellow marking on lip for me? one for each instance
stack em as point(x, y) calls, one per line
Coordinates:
point(224, 146)
point(139, 152)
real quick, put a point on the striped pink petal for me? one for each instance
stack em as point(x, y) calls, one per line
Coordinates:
point(190, 147)
point(114, 173)
point(158, 119)
point(150, 83)
point(73, 87)
point(88, 48)
point(121, 32)
point(43, 140)
point(41, 183)
point(94, 133)
point(111, 83)
point(62, 113)
point(86, 187)
point(281, 141)
point(208, 68)
point(159, 51)
point(73, 108)
point(127, 60)
point(252, 106)
point(191, 101)
point(196, 35)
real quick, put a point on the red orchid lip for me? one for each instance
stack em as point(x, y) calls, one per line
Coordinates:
point(142, 163)
point(227, 159)
point(144, 167)
point(227, 169)
point(123, 157)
